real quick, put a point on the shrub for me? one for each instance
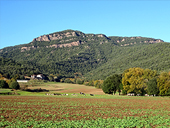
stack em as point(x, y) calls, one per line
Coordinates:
point(67, 80)
point(91, 83)
point(14, 85)
point(98, 83)
point(79, 81)
point(3, 84)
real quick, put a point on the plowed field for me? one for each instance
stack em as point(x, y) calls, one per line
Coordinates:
point(63, 111)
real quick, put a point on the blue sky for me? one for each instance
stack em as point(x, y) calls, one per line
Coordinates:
point(23, 20)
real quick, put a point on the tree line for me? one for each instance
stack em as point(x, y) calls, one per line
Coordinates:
point(138, 81)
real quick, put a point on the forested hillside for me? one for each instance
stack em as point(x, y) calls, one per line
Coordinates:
point(152, 56)
point(9, 68)
point(95, 56)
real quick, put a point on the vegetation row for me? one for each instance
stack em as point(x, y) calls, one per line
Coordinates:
point(134, 81)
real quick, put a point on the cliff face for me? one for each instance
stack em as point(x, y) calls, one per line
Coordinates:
point(77, 43)
point(62, 36)
point(55, 36)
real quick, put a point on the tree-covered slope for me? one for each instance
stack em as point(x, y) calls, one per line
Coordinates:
point(9, 68)
point(92, 55)
point(152, 56)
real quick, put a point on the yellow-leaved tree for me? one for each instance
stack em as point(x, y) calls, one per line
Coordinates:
point(135, 79)
point(163, 83)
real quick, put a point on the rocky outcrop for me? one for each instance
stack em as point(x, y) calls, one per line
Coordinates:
point(55, 36)
point(101, 35)
point(42, 38)
point(76, 43)
point(149, 41)
point(154, 41)
point(123, 40)
point(28, 48)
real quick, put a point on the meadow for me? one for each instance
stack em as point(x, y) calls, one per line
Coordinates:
point(35, 109)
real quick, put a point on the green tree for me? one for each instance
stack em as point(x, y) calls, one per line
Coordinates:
point(14, 85)
point(3, 84)
point(152, 87)
point(112, 84)
point(120, 88)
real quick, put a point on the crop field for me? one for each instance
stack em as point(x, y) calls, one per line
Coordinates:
point(84, 111)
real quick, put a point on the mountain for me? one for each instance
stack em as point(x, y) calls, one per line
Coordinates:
point(95, 56)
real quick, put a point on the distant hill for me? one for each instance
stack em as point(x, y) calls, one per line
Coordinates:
point(95, 56)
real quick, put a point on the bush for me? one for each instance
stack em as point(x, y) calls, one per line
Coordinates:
point(67, 80)
point(79, 81)
point(98, 83)
point(14, 85)
point(91, 83)
point(3, 84)
point(62, 80)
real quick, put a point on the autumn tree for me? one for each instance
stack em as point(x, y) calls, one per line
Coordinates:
point(111, 84)
point(135, 79)
point(163, 83)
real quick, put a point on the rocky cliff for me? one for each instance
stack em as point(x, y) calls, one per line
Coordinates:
point(56, 36)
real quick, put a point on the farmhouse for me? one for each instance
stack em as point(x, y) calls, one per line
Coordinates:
point(39, 76)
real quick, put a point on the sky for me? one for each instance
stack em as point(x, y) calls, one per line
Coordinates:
point(23, 20)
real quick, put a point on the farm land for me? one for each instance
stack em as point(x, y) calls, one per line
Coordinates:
point(35, 109)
